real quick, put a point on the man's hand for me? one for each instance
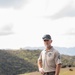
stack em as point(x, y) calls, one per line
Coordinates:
point(41, 70)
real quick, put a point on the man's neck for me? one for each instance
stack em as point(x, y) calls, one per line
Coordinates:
point(48, 48)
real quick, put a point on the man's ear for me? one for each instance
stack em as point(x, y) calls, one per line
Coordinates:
point(51, 41)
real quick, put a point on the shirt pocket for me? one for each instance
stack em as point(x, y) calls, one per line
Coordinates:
point(50, 59)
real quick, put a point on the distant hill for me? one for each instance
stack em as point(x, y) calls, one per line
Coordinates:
point(34, 48)
point(66, 51)
point(62, 50)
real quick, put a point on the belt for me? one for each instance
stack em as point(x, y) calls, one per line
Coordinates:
point(49, 72)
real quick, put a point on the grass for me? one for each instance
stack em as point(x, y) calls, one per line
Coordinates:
point(67, 72)
point(64, 71)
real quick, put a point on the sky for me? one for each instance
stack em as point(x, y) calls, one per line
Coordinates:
point(24, 22)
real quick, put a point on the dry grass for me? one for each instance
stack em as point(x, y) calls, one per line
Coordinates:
point(67, 72)
point(64, 71)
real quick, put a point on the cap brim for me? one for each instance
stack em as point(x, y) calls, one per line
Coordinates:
point(46, 39)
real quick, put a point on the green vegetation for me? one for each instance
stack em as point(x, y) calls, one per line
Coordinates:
point(16, 62)
point(11, 64)
point(68, 61)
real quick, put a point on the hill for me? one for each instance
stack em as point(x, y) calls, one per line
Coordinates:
point(10, 64)
point(14, 62)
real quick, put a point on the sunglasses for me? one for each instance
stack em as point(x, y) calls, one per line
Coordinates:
point(46, 40)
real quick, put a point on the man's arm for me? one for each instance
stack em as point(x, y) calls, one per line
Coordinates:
point(58, 63)
point(58, 66)
point(40, 61)
point(40, 67)
point(39, 64)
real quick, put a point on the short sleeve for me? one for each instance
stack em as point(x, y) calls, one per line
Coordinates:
point(40, 57)
point(57, 58)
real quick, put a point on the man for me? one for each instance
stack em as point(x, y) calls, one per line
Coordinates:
point(49, 61)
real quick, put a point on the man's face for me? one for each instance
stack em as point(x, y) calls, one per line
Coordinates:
point(47, 43)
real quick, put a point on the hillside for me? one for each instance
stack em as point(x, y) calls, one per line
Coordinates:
point(14, 62)
point(10, 64)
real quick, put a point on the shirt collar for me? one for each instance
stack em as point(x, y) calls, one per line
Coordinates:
point(50, 50)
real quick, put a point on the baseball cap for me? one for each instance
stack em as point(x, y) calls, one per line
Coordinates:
point(46, 37)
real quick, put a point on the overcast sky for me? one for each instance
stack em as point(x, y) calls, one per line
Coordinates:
point(24, 22)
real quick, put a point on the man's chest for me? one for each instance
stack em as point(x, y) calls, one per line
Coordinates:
point(49, 56)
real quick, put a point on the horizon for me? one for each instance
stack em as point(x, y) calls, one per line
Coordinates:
point(33, 47)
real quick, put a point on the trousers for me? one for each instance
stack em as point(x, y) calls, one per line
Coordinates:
point(49, 73)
